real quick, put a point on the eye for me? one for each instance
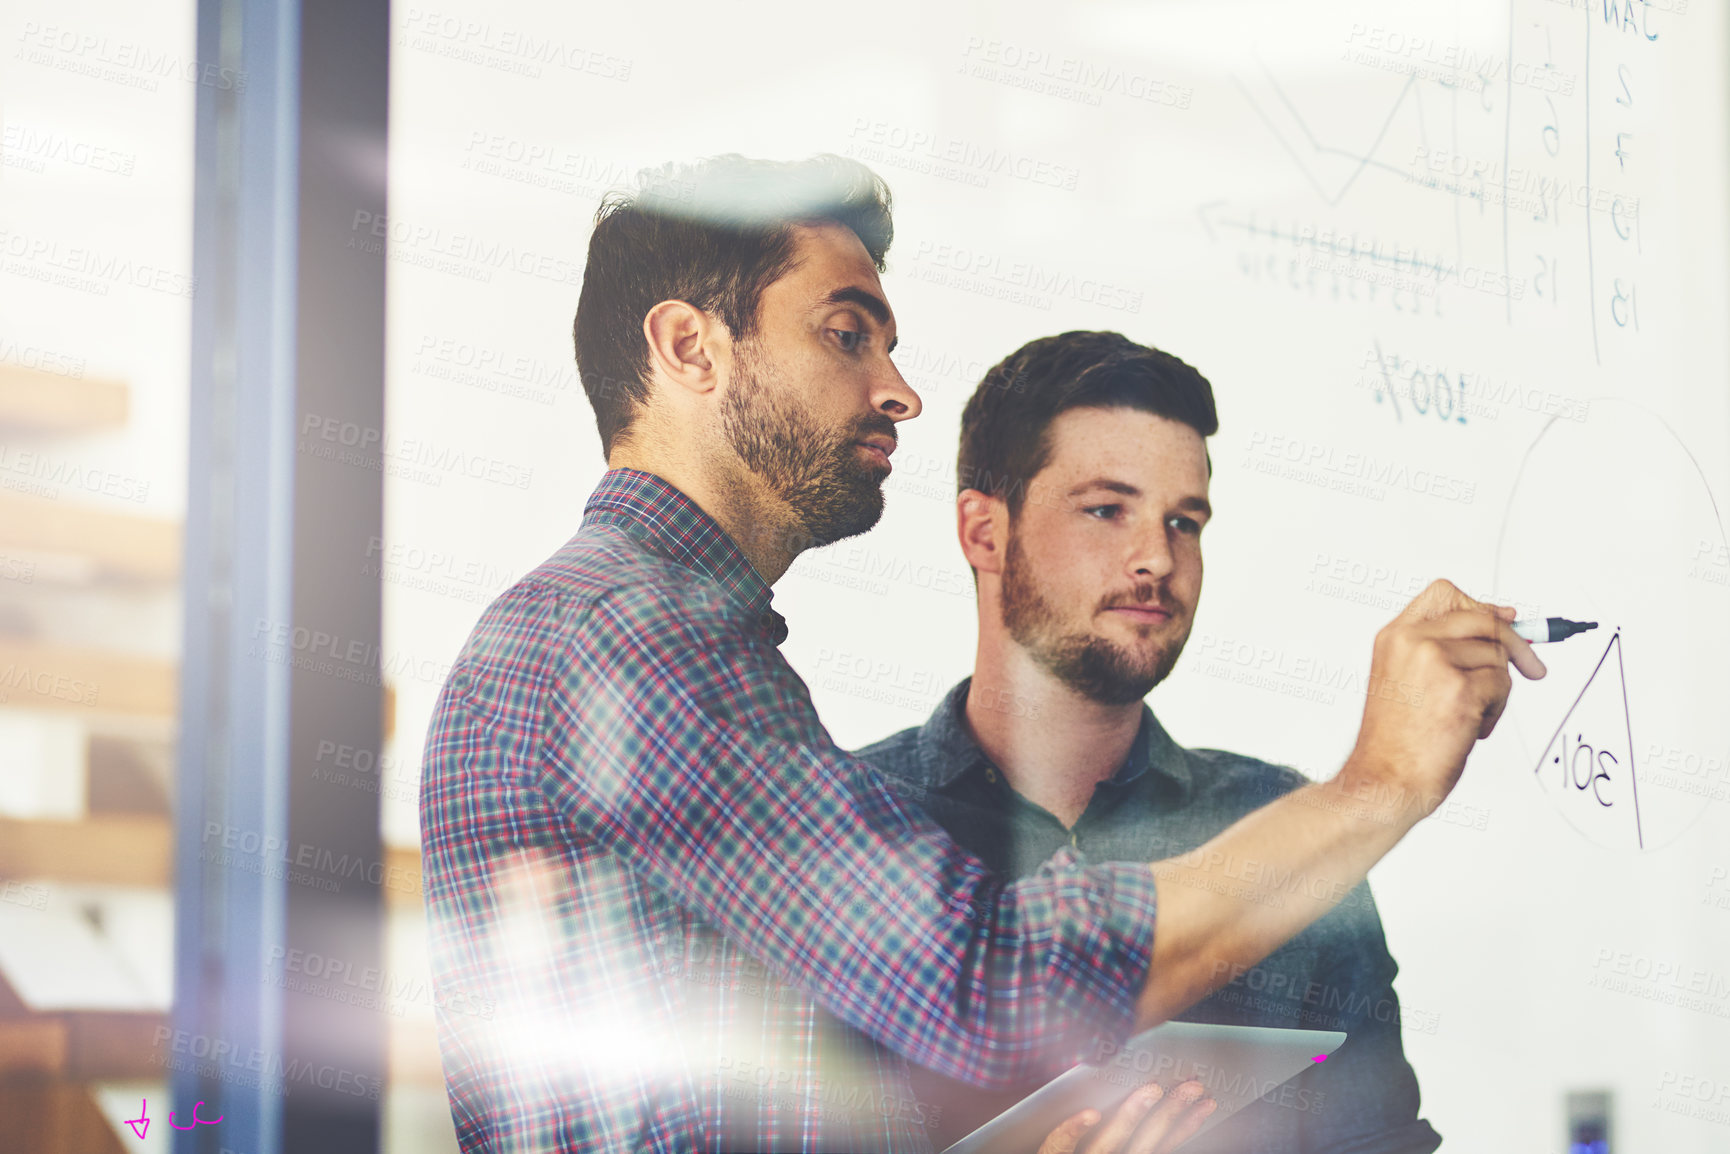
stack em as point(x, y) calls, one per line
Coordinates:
point(1185, 525)
point(849, 339)
point(1109, 511)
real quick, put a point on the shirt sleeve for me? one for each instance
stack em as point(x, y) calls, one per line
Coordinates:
point(798, 852)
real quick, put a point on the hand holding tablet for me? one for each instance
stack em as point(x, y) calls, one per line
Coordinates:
point(1149, 1121)
point(1232, 1066)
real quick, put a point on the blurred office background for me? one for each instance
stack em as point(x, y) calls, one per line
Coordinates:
point(287, 396)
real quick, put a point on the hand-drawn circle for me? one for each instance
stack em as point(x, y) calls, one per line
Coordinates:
point(1611, 519)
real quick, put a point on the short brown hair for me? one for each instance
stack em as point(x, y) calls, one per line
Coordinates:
point(1005, 427)
point(714, 234)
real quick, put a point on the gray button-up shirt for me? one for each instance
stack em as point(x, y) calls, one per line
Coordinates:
point(1163, 801)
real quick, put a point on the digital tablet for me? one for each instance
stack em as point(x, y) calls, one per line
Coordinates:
point(1237, 1064)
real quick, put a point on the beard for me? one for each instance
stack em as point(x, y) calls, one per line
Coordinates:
point(1092, 666)
point(817, 472)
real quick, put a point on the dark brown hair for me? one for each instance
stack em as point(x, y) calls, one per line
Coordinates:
point(1005, 427)
point(713, 234)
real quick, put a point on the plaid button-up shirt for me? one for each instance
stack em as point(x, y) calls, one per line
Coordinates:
point(667, 913)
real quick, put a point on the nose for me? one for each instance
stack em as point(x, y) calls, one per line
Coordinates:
point(1151, 559)
point(892, 395)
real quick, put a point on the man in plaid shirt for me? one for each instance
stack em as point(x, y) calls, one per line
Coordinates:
point(701, 924)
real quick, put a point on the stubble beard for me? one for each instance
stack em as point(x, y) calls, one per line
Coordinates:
point(816, 473)
point(1091, 665)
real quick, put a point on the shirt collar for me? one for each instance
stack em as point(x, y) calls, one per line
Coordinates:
point(667, 522)
point(947, 749)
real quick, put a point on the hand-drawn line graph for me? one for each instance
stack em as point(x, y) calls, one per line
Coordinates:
point(1309, 153)
point(1364, 159)
point(1332, 162)
point(1596, 771)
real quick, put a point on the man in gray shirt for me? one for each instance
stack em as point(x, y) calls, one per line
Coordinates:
point(1084, 478)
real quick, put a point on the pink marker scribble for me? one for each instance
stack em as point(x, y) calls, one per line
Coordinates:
point(141, 1124)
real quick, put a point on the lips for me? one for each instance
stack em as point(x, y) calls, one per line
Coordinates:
point(879, 447)
point(1152, 614)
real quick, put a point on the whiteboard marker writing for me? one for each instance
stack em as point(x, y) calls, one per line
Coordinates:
point(1540, 629)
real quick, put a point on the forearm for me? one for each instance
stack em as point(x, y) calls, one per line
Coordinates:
point(1438, 683)
point(1228, 904)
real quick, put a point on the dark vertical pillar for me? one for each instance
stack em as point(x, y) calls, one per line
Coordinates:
point(337, 697)
point(275, 864)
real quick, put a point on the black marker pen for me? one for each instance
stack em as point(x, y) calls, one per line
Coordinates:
point(1540, 629)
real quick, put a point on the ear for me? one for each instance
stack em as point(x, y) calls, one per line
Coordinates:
point(681, 340)
point(982, 525)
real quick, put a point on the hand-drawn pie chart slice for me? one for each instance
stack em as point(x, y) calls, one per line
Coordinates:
point(1612, 520)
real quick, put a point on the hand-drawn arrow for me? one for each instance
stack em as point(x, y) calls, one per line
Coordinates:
point(141, 1124)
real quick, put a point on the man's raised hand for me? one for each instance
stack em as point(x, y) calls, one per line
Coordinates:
point(1438, 683)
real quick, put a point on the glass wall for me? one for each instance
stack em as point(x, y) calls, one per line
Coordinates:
point(1415, 249)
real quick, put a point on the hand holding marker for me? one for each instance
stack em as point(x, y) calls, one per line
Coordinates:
point(1540, 629)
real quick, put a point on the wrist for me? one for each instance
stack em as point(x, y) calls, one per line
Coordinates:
point(1371, 789)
